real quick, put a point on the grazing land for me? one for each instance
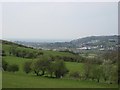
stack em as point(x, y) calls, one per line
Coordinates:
point(21, 80)
point(16, 80)
point(74, 78)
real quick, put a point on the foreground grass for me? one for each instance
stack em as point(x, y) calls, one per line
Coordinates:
point(22, 80)
point(16, 80)
point(0, 79)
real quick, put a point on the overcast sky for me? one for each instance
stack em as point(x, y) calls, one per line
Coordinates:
point(60, 20)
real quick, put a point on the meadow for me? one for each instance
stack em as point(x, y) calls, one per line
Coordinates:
point(0, 79)
point(21, 80)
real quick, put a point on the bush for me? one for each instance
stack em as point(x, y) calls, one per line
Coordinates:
point(60, 68)
point(27, 67)
point(12, 68)
point(4, 65)
point(3, 53)
point(41, 65)
point(75, 74)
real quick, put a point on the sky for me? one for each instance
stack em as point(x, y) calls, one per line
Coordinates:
point(58, 20)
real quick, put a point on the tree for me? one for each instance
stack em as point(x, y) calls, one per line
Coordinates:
point(12, 68)
point(27, 67)
point(114, 74)
point(87, 69)
point(51, 69)
point(106, 68)
point(35, 67)
point(60, 68)
point(96, 72)
point(41, 65)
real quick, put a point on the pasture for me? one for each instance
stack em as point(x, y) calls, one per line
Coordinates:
point(16, 80)
point(21, 80)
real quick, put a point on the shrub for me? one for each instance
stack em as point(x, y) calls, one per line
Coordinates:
point(60, 68)
point(27, 67)
point(12, 68)
point(3, 53)
point(75, 74)
point(4, 65)
point(41, 65)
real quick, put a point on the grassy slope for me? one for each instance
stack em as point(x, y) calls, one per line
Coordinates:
point(0, 79)
point(16, 80)
point(20, 79)
point(7, 47)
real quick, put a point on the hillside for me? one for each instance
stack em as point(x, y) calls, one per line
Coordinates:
point(77, 45)
point(14, 49)
point(16, 54)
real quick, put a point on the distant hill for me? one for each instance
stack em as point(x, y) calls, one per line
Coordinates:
point(98, 42)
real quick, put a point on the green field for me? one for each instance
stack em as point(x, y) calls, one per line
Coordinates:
point(0, 79)
point(15, 80)
point(21, 80)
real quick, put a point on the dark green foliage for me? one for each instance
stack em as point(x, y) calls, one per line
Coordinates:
point(60, 68)
point(51, 69)
point(4, 65)
point(114, 74)
point(97, 72)
point(12, 68)
point(111, 55)
point(75, 58)
point(106, 69)
point(3, 53)
point(87, 69)
point(27, 67)
point(45, 64)
point(41, 65)
point(24, 53)
point(75, 74)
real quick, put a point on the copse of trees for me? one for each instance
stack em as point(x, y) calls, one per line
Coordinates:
point(24, 53)
point(110, 71)
point(111, 55)
point(74, 58)
point(107, 71)
point(45, 65)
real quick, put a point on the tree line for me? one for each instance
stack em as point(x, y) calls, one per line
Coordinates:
point(22, 53)
point(45, 66)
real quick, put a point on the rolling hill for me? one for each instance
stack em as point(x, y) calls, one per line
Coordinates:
point(77, 45)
